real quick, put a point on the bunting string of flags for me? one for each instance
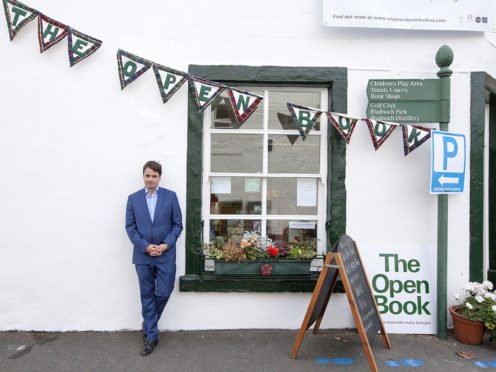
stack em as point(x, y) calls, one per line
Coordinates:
point(50, 31)
point(169, 81)
point(305, 118)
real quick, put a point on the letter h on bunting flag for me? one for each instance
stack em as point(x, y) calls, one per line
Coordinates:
point(304, 118)
point(243, 104)
point(169, 80)
point(50, 32)
point(204, 92)
point(413, 137)
point(18, 15)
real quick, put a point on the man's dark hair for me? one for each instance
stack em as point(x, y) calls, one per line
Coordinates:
point(154, 166)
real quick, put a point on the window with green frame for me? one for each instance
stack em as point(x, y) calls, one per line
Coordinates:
point(211, 137)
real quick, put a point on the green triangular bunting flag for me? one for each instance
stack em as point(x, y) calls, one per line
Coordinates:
point(413, 137)
point(80, 46)
point(18, 15)
point(50, 32)
point(344, 124)
point(204, 92)
point(379, 131)
point(131, 67)
point(304, 118)
point(243, 104)
point(168, 80)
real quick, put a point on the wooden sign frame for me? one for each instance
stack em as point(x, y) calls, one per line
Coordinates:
point(334, 266)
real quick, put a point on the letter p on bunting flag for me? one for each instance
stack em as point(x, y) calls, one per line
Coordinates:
point(131, 67)
point(243, 104)
point(18, 15)
point(169, 80)
point(80, 46)
point(304, 118)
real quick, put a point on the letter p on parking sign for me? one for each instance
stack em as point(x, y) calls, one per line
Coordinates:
point(448, 162)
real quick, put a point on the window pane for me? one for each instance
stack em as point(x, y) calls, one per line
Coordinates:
point(232, 229)
point(289, 231)
point(292, 196)
point(279, 116)
point(223, 116)
point(235, 195)
point(300, 157)
point(237, 153)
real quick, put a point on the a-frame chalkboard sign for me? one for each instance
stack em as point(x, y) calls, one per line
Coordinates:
point(345, 261)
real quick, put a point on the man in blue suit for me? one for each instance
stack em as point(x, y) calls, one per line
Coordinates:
point(153, 224)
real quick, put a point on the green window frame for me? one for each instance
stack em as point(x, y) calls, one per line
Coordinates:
point(335, 79)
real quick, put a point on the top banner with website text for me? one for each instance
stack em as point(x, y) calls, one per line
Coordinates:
point(453, 15)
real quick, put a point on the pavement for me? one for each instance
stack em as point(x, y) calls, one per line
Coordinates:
point(235, 350)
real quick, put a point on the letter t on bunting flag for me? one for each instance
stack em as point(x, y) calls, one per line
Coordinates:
point(304, 118)
point(243, 104)
point(169, 80)
point(413, 137)
point(80, 46)
point(204, 92)
point(50, 32)
point(379, 131)
point(18, 15)
point(131, 67)
point(344, 124)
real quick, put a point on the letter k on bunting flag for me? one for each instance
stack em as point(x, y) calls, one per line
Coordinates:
point(413, 137)
point(304, 118)
point(18, 15)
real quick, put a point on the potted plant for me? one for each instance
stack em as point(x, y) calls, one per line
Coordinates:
point(254, 254)
point(475, 314)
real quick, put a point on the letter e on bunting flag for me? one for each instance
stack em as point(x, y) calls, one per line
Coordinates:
point(18, 15)
point(414, 136)
point(304, 118)
point(344, 124)
point(131, 67)
point(80, 45)
point(168, 80)
point(204, 92)
point(50, 32)
point(243, 104)
point(379, 131)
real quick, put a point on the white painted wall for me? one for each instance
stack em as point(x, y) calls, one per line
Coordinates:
point(72, 146)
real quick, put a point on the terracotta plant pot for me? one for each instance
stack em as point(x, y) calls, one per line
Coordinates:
point(466, 331)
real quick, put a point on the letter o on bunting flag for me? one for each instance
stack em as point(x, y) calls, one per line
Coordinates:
point(344, 124)
point(413, 137)
point(304, 118)
point(131, 67)
point(379, 131)
point(204, 92)
point(80, 45)
point(50, 32)
point(169, 80)
point(243, 104)
point(17, 15)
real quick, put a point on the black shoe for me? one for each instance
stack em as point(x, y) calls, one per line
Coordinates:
point(144, 332)
point(148, 347)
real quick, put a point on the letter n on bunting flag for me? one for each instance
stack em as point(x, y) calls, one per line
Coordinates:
point(50, 32)
point(413, 137)
point(344, 124)
point(304, 118)
point(168, 80)
point(243, 104)
point(80, 45)
point(379, 131)
point(204, 92)
point(131, 67)
point(18, 15)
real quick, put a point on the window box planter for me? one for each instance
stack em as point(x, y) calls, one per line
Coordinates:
point(278, 267)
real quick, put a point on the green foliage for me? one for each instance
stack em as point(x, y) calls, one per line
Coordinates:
point(303, 250)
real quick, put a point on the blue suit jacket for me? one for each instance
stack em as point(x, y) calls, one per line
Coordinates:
point(165, 228)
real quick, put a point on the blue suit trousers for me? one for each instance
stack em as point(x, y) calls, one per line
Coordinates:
point(156, 282)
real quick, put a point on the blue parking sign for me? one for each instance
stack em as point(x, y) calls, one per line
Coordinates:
point(448, 162)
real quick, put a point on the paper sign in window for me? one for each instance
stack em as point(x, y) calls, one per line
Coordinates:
point(306, 192)
point(252, 185)
point(220, 185)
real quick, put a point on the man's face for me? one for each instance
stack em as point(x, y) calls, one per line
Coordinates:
point(151, 179)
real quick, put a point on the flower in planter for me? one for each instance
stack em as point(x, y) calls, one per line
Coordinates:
point(479, 304)
point(273, 251)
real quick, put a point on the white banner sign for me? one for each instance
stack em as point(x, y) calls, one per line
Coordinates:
point(456, 15)
point(404, 283)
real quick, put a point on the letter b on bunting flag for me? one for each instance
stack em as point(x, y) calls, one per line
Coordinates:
point(243, 104)
point(304, 118)
point(18, 15)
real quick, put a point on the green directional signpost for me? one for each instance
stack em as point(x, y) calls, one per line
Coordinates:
point(411, 101)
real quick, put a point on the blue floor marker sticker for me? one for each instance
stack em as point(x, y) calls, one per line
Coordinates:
point(412, 362)
point(493, 364)
point(393, 363)
point(323, 361)
point(481, 364)
point(343, 361)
